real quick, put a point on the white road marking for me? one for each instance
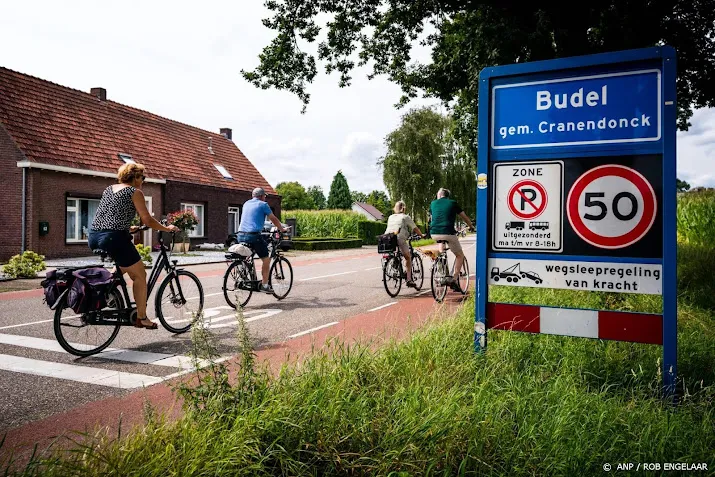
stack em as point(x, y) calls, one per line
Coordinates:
point(313, 329)
point(71, 372)
point(37, 322)
point(373, 268)
point(383, 306)
point(141, 357)
point(424, 292)
point(205, 296)
point(327, 276)
point(211, 318)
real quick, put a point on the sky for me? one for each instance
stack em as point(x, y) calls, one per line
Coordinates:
point(182, 60)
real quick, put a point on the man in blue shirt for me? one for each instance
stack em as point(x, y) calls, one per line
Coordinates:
point(253, 217)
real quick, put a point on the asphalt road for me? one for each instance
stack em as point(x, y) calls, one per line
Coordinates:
point(39, 379)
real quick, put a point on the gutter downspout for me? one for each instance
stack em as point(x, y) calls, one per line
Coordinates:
point(24, 208)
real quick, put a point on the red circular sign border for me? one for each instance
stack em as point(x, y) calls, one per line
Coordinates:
point(539, 186)
point(650, 206)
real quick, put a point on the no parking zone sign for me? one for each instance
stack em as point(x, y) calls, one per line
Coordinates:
point(582, 196)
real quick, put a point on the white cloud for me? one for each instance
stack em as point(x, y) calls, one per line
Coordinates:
point(696, 150)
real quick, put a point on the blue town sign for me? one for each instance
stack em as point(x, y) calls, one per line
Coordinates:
point(622, 107)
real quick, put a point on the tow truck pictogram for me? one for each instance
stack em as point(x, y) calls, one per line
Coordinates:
point(513, 274)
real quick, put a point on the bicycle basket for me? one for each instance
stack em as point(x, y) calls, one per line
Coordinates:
point(386, 243)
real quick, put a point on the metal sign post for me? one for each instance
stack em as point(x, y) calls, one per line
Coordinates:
point(576, 190)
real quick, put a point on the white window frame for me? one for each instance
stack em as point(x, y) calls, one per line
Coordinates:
point(196, 232)
point(237, 221)
point(77, 227)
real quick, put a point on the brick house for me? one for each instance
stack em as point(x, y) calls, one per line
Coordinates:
point(60, 148)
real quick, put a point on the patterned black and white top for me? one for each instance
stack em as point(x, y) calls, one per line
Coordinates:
point(116, 210)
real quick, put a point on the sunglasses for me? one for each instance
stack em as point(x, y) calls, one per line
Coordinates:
point(142, 177)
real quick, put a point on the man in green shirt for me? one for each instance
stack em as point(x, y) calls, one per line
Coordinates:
point(444, 212)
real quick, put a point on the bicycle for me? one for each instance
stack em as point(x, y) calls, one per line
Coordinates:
point(393, 270)
point(241, 274)
point(121, 311)
point(441, 272)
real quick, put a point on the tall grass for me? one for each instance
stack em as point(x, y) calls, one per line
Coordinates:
point(325, 223)
point(696, 217)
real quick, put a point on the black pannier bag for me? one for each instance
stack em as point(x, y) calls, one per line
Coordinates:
point(56, 285)
point(386, 243)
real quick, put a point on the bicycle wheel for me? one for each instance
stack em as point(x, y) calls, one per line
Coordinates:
point(464, 277)
point(438, 280)
point(418, 272)
point(237, 289)
point(281, 277)
point(79, 337)
point(392, 276)
point(179, 299)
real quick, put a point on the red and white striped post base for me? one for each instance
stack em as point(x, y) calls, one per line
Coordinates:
point(605, 325)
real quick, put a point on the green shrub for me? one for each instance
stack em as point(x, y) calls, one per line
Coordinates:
point(696, 218)
point(25, 266)
point(327, 244)
point(369, 230)
point(144, 253)
point(324, 223)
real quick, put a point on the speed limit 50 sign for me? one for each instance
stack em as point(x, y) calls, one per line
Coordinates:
point(611, 206)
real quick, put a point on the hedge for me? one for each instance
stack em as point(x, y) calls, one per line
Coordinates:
point(334, 244)
point(369, 230)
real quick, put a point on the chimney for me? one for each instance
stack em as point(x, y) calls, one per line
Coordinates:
point(99, 93)
point(227, 133)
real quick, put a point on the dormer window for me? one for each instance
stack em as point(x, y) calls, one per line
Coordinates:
point(223, 172)
point(127, 158)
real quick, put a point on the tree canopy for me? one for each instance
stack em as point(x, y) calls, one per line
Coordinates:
point(469, 35)
point(423, 155)
point(681, 186)
point(412, 166)
point(380, 201)
point(316, 193)
point(339, 195)
point(294, 196)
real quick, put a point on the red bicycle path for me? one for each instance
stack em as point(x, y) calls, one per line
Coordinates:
point(116, 416)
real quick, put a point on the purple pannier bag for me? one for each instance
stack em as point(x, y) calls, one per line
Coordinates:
point(88, 292)
point(56, 284)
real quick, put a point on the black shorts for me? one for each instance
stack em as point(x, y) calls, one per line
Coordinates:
point(118, 244)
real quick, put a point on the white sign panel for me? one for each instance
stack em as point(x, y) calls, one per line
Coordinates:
point(574, 275)
point(528, 205)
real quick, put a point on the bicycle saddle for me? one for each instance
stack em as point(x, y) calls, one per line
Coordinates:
point(102, 253)
point(442, 241)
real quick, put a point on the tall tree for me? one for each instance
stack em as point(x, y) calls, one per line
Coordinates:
point(459, 172)
point(380, 201)
point(412, 166)
point(470, 35)
point(681, 186)
point(358, 196)
point(316, 193)
point(339, 195)
point(294, 196)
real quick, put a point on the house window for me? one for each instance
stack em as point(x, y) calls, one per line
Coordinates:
point(80, 215)
point(198, 210)
point(127, 158)
point(234, 219)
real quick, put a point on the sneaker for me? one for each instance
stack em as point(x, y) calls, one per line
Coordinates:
point(267, 288)
point(454, 285)
point(411, 284)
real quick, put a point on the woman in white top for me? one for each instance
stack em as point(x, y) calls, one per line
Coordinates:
point(401, 224)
